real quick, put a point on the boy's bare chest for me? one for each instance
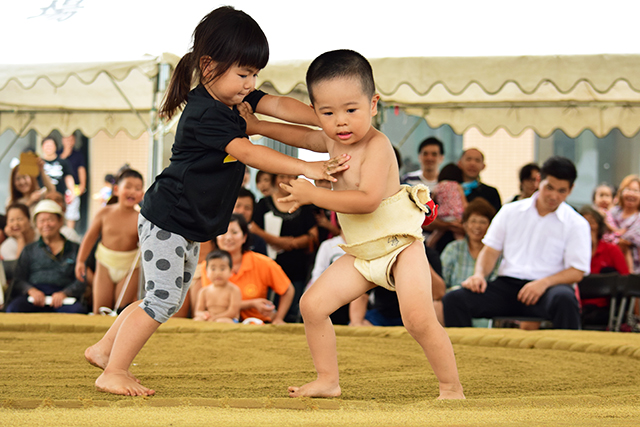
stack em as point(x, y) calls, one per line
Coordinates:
point(349, 179)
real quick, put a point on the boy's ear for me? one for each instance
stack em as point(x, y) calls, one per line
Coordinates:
point(374, 104)
point(114, 190)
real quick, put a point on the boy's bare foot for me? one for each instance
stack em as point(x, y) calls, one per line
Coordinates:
point(316, 389)
point(100, 358)
point(121, 383)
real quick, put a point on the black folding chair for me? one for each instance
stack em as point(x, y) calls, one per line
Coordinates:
point(630, 290)
point(606, 285)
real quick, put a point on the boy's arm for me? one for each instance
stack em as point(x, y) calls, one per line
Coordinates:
point(294, 135)
point(201, 307)
point(88, 242)
point(288, 109)
point(266, 159)
point(374, 174)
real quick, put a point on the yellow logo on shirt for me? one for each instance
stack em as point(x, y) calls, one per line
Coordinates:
point(229, 159)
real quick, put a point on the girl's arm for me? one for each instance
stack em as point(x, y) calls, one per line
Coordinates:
point(288, 109)
point(46, 181)
point(266, 159)
point(294, 135)
point(88, 242)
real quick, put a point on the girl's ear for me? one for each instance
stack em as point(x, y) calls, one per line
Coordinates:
point(206, 65)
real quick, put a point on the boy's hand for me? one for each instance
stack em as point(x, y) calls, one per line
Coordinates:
point(299, 192)
point(326, 170)
point(246, 112)
point(475, 283)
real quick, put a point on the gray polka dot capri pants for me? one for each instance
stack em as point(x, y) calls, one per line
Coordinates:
point(168, 262)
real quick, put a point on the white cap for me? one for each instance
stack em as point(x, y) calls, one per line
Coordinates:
point(49, 206)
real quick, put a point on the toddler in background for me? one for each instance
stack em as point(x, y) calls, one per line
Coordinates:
point(449, 196)
point(220, 302)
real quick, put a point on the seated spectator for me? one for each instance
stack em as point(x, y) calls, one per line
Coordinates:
point(25, 189)
point(18, 230)
point(254, 274)
point(3, 224)
point(46, 269)
point(529, 176)
point(603, 198)
point(265, 183)
point(385, 308)
point(221, 301)
point(449, 196)
point(68, 232)
point(625, 221)
point(245, 204)
point(459, 257)
point(291, 237)
point(605, 258)
point(545, 246)
point(430, 156)
point(117, 255)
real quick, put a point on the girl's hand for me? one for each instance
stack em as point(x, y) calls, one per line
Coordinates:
point(246, 112)
point(300, 191)
point(326, 170)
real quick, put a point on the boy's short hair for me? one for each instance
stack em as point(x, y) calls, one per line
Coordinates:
point(129, 173)
point(559, 168)
point(219, 254)
point(431, 141)
point(341, 63)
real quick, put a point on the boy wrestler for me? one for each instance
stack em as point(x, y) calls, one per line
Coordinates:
point(381, 220)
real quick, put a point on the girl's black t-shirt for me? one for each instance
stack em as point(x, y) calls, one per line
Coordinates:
point(194, 196)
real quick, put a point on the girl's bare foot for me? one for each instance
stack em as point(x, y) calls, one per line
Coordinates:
point(453, 393)
point(121, 383)
point(100, 358)
point(316, 388)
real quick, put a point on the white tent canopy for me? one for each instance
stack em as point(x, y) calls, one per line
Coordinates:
point(572, 93)
point(544, 93)
point(92, 97)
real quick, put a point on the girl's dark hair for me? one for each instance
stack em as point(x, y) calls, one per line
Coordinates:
point(14, 192)
point(21, 207)
point(219, 254)
point(451, 172)
point(597, 216)
point(246, 246)
point(225, 36)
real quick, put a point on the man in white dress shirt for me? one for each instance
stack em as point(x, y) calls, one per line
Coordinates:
point(545, 246)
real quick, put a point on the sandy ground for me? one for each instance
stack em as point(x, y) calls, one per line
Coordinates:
point(209, 374)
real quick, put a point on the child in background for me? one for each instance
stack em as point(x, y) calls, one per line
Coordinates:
point(105, 192)
point(117, 253)
point(380, 219)
point(220, 302)
point(205, 172)
point(449, 196)
point(264, 182)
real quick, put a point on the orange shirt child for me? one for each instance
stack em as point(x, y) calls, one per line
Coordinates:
point(257, 274)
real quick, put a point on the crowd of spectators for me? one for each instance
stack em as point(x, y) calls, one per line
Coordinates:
point(522, 259)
